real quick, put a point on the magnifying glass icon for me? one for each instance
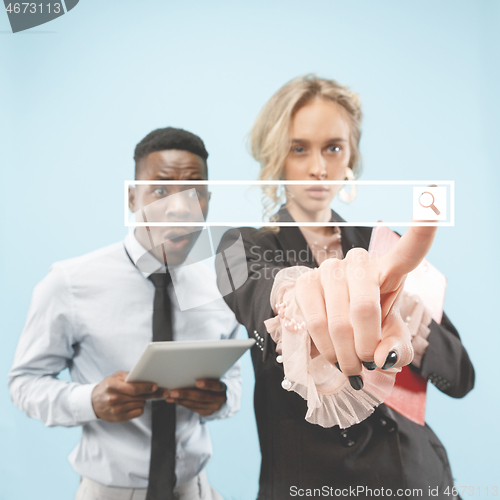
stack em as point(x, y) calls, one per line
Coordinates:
point(426, 200)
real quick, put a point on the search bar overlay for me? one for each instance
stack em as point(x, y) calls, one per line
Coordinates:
point(195, 204)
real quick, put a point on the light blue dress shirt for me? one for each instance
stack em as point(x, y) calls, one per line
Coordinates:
point(93, 314)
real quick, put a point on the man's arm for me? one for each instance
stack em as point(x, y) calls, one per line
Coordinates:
point(45, 348)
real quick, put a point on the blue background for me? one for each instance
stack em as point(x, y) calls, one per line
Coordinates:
point(77, 94)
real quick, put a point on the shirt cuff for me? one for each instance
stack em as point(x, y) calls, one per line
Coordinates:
point(232, 404)
point(223, 412)
point(80, 402)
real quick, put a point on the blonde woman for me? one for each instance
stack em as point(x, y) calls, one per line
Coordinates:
point(337, 338)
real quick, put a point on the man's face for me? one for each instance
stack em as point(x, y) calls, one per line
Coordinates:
point(170, 203)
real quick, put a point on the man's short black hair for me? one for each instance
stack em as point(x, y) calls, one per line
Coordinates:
point(169, 138)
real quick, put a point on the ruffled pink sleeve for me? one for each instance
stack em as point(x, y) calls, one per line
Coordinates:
point(330, 398)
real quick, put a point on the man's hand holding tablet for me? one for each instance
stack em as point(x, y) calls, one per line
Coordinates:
point(115, 400)
point(206, 398)
point(122, 396)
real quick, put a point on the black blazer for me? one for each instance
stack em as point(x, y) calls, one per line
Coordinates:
point(386, 450)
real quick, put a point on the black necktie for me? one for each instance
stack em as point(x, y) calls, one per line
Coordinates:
point(163, 448)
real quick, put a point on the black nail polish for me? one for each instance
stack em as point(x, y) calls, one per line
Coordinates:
point(390, 361)
point(356, 382)
point(369, 365)
point(338, 366)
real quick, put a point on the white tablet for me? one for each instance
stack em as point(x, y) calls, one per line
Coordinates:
point(179, 364)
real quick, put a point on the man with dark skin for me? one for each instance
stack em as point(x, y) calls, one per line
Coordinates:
point(96, 313)
point(114, 399)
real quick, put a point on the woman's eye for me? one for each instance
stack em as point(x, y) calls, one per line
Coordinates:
point(298, 149)
point(160, 192)
point(334, 149)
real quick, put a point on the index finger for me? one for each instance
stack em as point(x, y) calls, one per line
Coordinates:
point(408, 252)
point(209, 384)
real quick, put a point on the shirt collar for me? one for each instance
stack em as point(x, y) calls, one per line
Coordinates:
point(149, 264)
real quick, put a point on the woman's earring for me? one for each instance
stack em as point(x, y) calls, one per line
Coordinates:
point(345, 196)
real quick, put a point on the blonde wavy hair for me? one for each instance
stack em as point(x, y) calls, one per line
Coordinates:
point(270, 136)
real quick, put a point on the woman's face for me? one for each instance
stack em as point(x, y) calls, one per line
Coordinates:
point(320, 151)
